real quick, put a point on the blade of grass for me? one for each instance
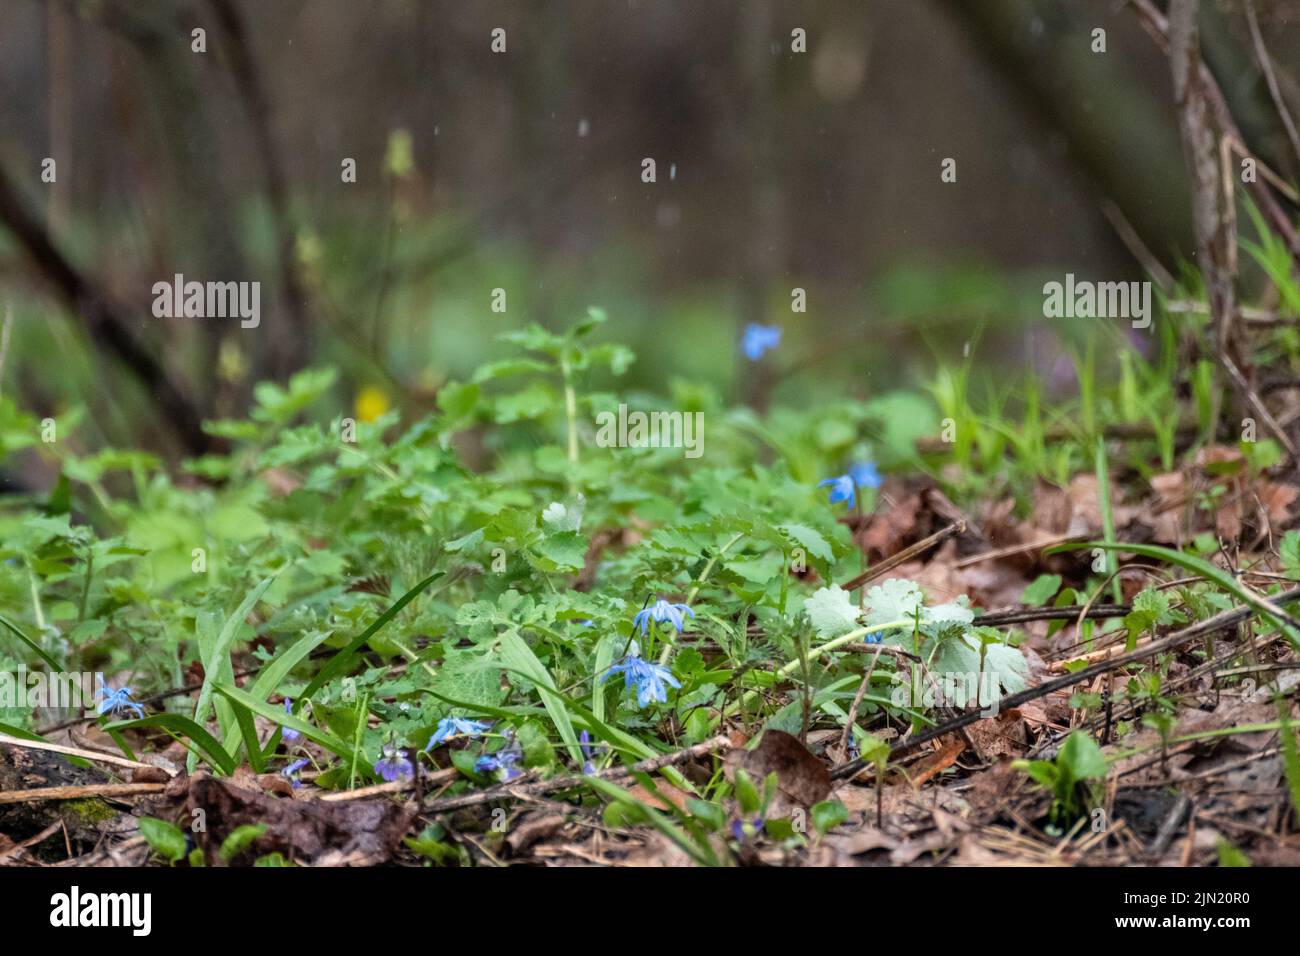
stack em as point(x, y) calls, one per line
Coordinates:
point(221, 647)
point(654, 818)
point(277, 716)
point(339, 661)
point(518, 656)
point(1224, 579)
point(271, 675)
point(1107, 517)
point(198, 741)
point(36, 648)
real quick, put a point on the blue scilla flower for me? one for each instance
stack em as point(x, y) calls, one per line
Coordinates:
point(393, 764)
point(290, 772)
point(450, 727)
point(757, 339)
point(864, 474)
point(288, 734)
point(648, 679)
point(118, 701)
point(661, 611)
point(842, 489)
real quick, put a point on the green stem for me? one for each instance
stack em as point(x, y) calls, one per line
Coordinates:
point(571, 413)
point(699, 583)
point(789, 668)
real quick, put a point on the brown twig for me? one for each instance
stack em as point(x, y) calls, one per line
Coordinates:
point(719, 744)
point(39, 794)
point(1209, 625)
point(902, 557)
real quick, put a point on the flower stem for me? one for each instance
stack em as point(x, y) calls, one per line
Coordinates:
point(699, 583)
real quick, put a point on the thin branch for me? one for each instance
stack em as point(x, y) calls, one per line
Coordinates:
point(1218, 622)
point(102, 320)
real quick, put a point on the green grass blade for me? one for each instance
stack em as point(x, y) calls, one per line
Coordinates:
point(191, 734)
point(339, 661)
point(271, 675)
point(654, 818)
point(1107, 518)
point(36, 648)
point(221, 648)
point(1224, 579)
point(277, 716)
point(518, 656)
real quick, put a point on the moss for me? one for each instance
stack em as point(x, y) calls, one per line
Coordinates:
point(89, 811)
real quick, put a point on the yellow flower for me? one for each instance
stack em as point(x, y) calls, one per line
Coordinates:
point(372, 401)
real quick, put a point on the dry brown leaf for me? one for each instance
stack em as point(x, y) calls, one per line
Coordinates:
point(802, 779)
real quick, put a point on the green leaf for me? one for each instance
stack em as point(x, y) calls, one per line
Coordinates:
point(828, 814)
point(831, 611)
point(1041, 590)
point(165, 839)
point(36, 648)
point(240, 839)
point(1081, 756)
point(747, 793)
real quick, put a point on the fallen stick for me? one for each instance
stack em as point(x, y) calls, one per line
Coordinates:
point(94, 755)
point(395, 786)
point(517, 791)
point(1217, 622)
point(1019, 549)
point(902, 557)
point(40, 794)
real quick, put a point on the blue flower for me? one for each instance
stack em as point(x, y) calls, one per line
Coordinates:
point(288, 733)
point(741, 828)
point(290, 772)
point(842, 489)
point(588, 766)
point(118, 701)
point(864, 474)
point(450, 727)
point(758, 339)
point(662, 611)
point(503, 761)
point(646, 677)
point(393, 764)
point(873, 638)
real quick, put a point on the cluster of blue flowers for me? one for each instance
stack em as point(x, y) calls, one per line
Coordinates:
point(450, 727)
point(647, 677)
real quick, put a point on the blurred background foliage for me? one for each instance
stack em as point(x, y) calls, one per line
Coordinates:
point(521, 171)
